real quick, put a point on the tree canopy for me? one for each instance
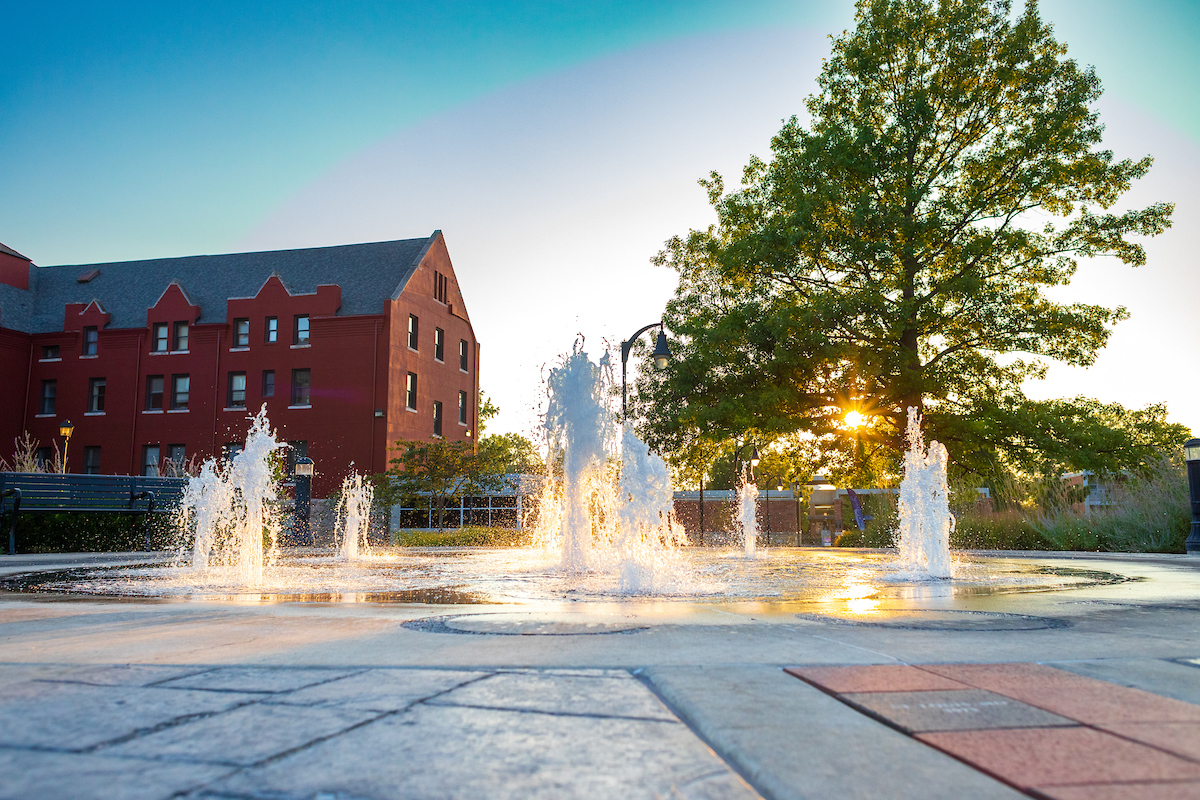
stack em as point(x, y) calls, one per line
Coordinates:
point(898, 250)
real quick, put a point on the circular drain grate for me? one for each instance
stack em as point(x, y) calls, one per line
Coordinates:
point(525, 624)
point(941, 620)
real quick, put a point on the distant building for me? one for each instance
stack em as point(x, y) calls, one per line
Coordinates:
point(349, 347)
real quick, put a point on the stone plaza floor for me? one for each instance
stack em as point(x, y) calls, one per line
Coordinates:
point(1090, 693)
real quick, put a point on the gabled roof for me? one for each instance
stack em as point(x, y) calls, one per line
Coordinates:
point(367, 273)
point(8, 250)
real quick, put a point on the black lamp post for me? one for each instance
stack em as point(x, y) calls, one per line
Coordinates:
point(65, 430)
point(304, 473)
point(1191, 453)
point(778, 483)
point(661, 355)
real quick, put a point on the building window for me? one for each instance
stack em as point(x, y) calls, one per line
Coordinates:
point(439, 344)
point(241, 332)
point(91, 340)
point(440, 287)
point(300, 332)
point(49, 396)
point(45, 458)
point(150, 460)
point(231, 449)
point(161, 339)
point(237, 390)
point(96, 395)
point(272, 330)
point(462, 407)
point(49, 352)
point(437, 418)
point(176, 459)
point(91, 460)
point(181, 336)
point(154, 392)
point(413, 324)
point(295, 452)
point(268, 383)
point(462, 354)
point(301, 379)
point(411, 391)
point(180, 390)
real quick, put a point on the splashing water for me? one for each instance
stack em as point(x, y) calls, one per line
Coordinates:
point(354, 516)
point(925, 519)
point(606, 512)
point(234, 507)
point(747, 519)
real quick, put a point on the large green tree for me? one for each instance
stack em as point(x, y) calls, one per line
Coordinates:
point(897, 250)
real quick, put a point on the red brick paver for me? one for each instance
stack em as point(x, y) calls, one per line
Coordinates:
point(1181, 738)
point(1088, 700)
point(1039, 757)
point(1125, 791)
point(1129, 743)
point(878, 678)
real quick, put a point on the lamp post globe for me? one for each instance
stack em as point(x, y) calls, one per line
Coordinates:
point(1191, 453)
point(661, 355)
point(65, 430)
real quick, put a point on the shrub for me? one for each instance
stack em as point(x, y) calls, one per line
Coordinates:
point(1150, 512)
point(89, 533)
point(463, 537)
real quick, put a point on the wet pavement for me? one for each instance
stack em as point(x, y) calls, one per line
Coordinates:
point(1086, 692)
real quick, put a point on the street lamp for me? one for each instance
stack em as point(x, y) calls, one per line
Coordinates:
point(661, 355)
point(304, 473)
point(1191, 453)
point(65, 430)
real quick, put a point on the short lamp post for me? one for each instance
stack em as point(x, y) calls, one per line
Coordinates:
point(65, 430)
point(1191, 453)
point(661, 355)
point(304, 473)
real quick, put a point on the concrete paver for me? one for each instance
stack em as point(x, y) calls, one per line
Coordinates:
point(1080, 698)
point(956, 710)
point(792, 740)
point(146, 699)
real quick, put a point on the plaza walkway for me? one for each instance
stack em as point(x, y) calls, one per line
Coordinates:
point(1089, 693)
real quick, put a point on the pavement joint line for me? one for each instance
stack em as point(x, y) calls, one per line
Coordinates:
point(189, 675)
point(543, 712)
point(731, 763)
point(841, 697)
point(856, 647)
point(175, 722)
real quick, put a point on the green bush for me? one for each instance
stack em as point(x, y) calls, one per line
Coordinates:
point(88, 533)
point(1006, 530)
point(462, 537)
point(1149, 512)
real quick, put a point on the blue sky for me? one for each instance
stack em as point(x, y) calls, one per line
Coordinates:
point(557, 144)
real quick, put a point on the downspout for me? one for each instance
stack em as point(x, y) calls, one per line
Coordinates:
point(216, 393)
point(374, 389)
point(137, 376)
point(28, 388)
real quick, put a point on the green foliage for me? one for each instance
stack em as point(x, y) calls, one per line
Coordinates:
point(508, 453)
point(898, 252)
point(444, 470)
point(463, 537)
point(1149, 512)
point(89, 533)
point(1005, 530)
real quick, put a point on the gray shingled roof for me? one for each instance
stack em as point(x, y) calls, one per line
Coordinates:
point(6, 249)
point(367, 273)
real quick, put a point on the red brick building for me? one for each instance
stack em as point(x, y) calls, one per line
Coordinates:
point(350, 348)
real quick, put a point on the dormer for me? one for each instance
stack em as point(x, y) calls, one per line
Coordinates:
point(78, 316)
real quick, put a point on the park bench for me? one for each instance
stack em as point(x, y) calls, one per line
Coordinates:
point(49, 492)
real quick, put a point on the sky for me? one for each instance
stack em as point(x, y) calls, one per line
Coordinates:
point(557, 145)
